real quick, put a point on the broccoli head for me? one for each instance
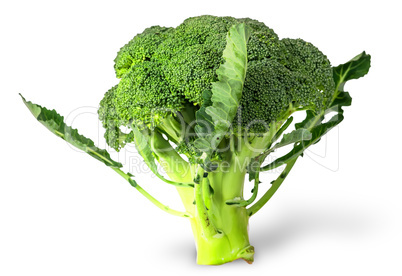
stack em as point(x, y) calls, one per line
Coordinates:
point(163, 70)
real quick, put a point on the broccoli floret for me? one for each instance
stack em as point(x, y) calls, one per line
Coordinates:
point(143, 95)
point(111, 121)
point(299, 78)
point(141, 48)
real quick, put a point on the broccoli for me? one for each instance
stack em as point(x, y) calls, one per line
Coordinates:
point(208, 102)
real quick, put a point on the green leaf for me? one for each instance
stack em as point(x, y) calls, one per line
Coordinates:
point(341, 100)
point(143, 148)
point(356, 68)
point(317, 133)
point(310, 121)
point(55, 123)
point(226, 92)
point(353, 69)
point(297, 135)
point(202, 144)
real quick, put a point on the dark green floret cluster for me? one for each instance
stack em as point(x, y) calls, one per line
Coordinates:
point(162, 70)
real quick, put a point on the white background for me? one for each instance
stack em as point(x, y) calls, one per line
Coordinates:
point(63, 213)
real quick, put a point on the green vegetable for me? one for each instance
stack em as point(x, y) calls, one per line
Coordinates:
point(208, 102)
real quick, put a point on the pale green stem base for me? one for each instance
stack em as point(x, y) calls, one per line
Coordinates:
point(222, 235)
point(220, 230)
point(225, 246)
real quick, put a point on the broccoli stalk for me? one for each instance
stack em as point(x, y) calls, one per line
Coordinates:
point(208, 102)
point(221, 230)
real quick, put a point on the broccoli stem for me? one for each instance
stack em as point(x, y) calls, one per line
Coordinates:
point(275, 185)
point(149, 197)
point(175, 167)
point(207, 228)
point(221, 230)
point(173, 128)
